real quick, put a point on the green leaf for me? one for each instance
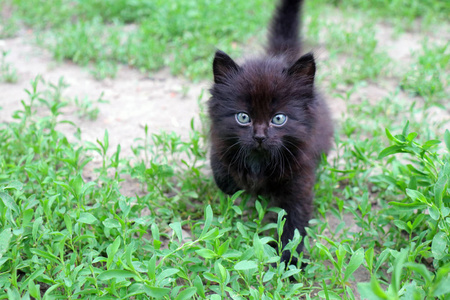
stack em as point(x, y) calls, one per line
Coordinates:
point(211, 277)
point(245, 265)
point(325, 250)
point(259, 209)
point(290, 273)
point(14, 184)
point(397, 271)
point(369, 258)
point(5, 238)
point(407, 206)
point(199, 286)
point(68, 222)
point(416, 196)
point(33, 276)
point(401, 225)
point(208, 220)
point(206, 253)
point(390, 150)
point(447, 139)
point(268, 276)
point(155, 231)
point(442, 288)
point(45, 254)
point(430, 144)
point(366, 291)
point(77, 184)
point(420, 269)
point(166, 273)
point(34, 290)
point(381, 258)
point(111, 250)
point(411, 136)
point(86, 186)
point(9, 202)
point(221, 270)
point(242, 230)
point(51, 289)
point(111, 223)
point(439, 189)
point(237, 209)
point(434, 212)
point(392, 138)
point(36, 226)
point(87, 218)
point(236, 195)
point(156, 292)
point(119, 275)
point(186, 294)
point(176, 226)
point(151, 267)
point(13, 293)
point(329, 295)
point(405, 128)
point(438, 245)
point(354, 263)
point(223, 248)
point(27, 217)
point(210, 235)
point(376, 289)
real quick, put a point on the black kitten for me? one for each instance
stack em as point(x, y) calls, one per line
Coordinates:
point(269, 125)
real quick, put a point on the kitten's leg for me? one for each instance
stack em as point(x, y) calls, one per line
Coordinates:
point(223, 179)
point(297, 203)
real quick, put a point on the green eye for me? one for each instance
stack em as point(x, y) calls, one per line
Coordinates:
point(279, 119)
point(243, 118)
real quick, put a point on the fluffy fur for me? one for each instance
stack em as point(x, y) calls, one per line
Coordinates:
point(261, 157)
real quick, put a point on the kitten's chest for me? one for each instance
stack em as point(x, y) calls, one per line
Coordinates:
point(257, 179)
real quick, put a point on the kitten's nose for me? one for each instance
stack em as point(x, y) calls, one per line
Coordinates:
point(259, 133)
point(259, 138)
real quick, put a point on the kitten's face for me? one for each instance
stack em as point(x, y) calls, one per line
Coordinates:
point(260, 109)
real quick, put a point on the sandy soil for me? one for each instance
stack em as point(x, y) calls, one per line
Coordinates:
point(161, 101)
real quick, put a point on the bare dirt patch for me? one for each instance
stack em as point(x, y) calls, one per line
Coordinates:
point(159, 100)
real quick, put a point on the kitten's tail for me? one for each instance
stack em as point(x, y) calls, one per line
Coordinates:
point(284, 29)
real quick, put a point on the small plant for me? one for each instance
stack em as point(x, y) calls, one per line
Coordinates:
point(7, 72)
point(104, 69)
point(86, 108)
point(429, 76)
point(421, 268)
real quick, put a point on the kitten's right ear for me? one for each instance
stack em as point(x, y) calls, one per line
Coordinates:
point(223, 66)
point(305, 68)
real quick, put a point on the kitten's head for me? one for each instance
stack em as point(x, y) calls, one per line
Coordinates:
point(263, 108)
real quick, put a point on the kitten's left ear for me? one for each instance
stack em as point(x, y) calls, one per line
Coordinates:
point(223, 66)
point(304, 67)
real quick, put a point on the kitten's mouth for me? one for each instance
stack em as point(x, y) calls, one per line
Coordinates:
point(260, 148)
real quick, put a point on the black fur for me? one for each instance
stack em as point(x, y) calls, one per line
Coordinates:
point(262, 157)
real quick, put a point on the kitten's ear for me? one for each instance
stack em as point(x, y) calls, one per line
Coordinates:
point(304, 67)
point(223, 66)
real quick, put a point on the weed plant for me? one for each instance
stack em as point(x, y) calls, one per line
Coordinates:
point(7, 71)
point(65, 236)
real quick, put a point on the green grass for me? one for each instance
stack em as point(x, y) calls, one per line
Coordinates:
point(68, 235)
point(429, 76)
point(179, 34)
